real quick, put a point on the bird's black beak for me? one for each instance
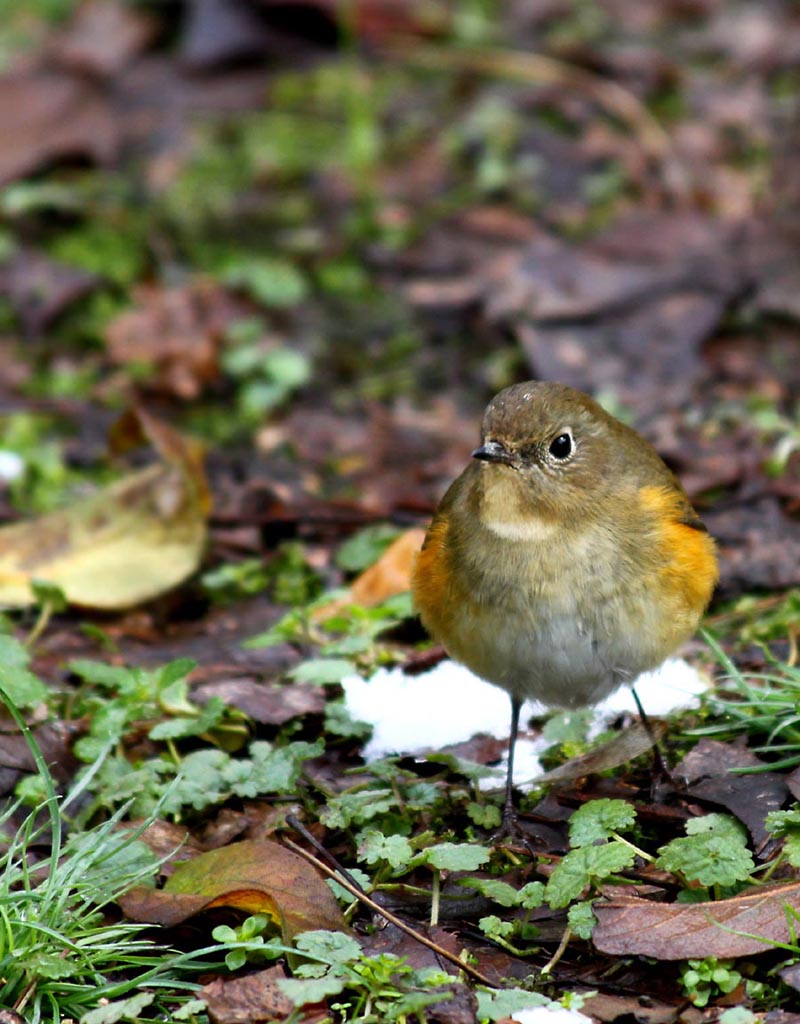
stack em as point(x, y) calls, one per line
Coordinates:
point(494, 451)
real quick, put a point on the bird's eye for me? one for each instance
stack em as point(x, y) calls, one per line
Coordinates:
point(561, 446)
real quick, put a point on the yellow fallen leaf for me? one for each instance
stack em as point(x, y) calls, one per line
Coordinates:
point(124, 545)
point(260, 877)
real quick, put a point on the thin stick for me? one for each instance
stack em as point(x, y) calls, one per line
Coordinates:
point(294, 822)
point(378, 909)
point(562, 948)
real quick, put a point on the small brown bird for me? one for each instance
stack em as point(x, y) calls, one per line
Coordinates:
point(566, 559)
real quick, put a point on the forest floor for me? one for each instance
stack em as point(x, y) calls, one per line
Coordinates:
point(293, 249)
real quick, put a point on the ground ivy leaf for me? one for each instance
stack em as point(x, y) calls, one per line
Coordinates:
point(498, 1004)
point(484, 815)
point(359, 877)
point(364, 548)
point(322, 671)
point(713, 852)
point(598, 819)
point(501, 892)
point(454, 856)
point(200, 782)
point(302, 991)
point(719, 824)
point(780, 823)
point(532, 895)
point(584, 866)
point(791, 848)
point(17, 683)
point(272, 769)
point(357, 808)
point(375, 846)
point(332, 947)
point(707, 858)
point(120, 1009)
point(581, 919)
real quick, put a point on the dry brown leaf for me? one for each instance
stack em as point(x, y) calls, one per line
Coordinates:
point(47, 116)
point(741, 926)
point(271, 705)
point(102, 37)
point(124, 545)
point(390, 575)
point(255, 997)
point(259, 877)
point(40, 289)
point(620, 749)
point(179, 331)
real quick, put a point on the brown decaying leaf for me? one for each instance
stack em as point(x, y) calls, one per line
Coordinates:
point(49, 115)
point(102, 37)
point(619, 312)
point(621, 749)
point(40, 289)
point(708, 772)
point(256, 997)
point(741, 926)
point(179, 331)
point(257, 876)
point(269, 705)
point(126, 544)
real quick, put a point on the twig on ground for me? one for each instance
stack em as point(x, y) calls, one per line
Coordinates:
point(355, 891)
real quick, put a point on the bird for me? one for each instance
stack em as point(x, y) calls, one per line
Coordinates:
point(565, 560)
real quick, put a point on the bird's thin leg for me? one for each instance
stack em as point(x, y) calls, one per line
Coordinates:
point(660, 769)
point(510, 825)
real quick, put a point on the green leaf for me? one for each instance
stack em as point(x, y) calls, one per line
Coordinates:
point(339, 722)
point(272, 282)
point(331, 947)
point(287, 367)
point(120, 1009)
point(497, 1004)
point(713, 853)
point(322, 671)
point(49, 594)
point(495, 927)
point(358, 808)
point(201, 782)
point(364, 548)
point(98, 673)
point(302, 991)
point(486, 816)
point(532, 895)
point(581, 919)
point(500, 892)
point(598, 819)
point(718, 824)
point(737, 1015)
point(339, 891)
point(189, 1010)
point(585, 866)
point(781, 823)
point(791, 847)
point(454, 856)
point(272, 769)
point(207, 717)
point(375, 846)
point(18, 684)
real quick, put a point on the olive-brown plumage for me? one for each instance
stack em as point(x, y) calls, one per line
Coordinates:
point(566, 559)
